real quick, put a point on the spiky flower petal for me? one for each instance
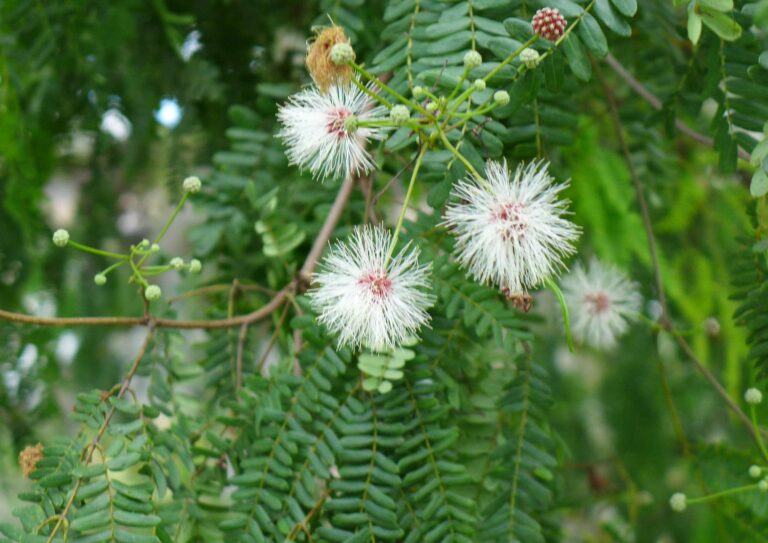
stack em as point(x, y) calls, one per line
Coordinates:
point(602, 302)
point(317, 135)
point(510, 229)
point(364, 300)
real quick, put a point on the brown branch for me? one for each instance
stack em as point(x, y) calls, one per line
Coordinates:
point(665, 320)
point(656, 104)
point(296, 284)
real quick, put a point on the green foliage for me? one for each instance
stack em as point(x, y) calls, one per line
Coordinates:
point(483, 428)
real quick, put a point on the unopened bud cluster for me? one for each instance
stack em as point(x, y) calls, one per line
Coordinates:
point(549, 24)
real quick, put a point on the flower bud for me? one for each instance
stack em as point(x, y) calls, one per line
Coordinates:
point(678, 502)
point(195, 266)
point(530, 57)
point(152, 293)
point(549, 24)
point(501, 97)
point(177, 263)
point(472, 60)
point(60, 238)
point(418, 92)
point(100, 279)
point(479, 84)
point(154, 248)
point(342, 53)
point(763, 485)
point(431, 106)
point(755, 471)
point(350, 124)
point(144, 244)
point(753, 396)
point(322, 66)
point(399, 114)
point(192, 184)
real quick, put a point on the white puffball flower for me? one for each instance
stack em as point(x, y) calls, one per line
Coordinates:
point(511, 230)
point(60, 238)
point(319, 137)
point(678, 502)
point(192, 184)
point(366, 301)
point(753, 396)
point(602, 302)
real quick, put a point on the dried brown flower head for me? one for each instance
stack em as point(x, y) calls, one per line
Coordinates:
point(322, 69)
point(29, 457)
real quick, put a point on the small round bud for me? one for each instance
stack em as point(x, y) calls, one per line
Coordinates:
point(152, 293)
point(195, 266)
point(177, 263)
point(712, 326)
point(763, 485)
point(479, 84)
point(431, 106)
point(192, 184)
point(144, 244)
point(530, 57)
point(399, 114)
point(342, 53)
point(100, 279)
point(350, 124)
point(418, 92)
point(755, 471)
point(678, 502)
point(154, 248)
point(501, 97)
point(60, 238)
point(549, 24)
point(472, 60)
point(753, 396)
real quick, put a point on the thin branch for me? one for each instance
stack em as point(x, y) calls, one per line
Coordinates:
point(656, 104)
point(242, 336)
point(665, 320)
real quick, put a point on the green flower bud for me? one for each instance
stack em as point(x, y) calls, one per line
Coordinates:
point(192, 184)
point(472, 60)
point(100, 279)
point(144, 244)
point(399, 114)
point(678, 502)
point(60, 238)
point(479, 84)
point(176, 263)
point(418, 92)
point(154, 248)
point(431, 107)
point(753, 396)
point(763, 485)
point(152, 293)
point(501, 97)
point(195, 266)
point(755, 471)
point(530, 57)
point(342, 53)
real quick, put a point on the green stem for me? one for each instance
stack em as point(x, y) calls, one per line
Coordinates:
point(408, 194)
point(458, 85)
point(564, 308)
point(99, 252)
point(511, 57)
point(757, 432)
point(379, 98)
point(728, 492)
point(167, 225)
point(383, 86)
point(114, 266)
point(462, 158)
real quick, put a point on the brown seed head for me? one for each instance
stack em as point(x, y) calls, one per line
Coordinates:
point(29, 457)
point(322, 69)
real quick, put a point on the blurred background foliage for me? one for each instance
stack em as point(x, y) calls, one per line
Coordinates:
point(106, 106)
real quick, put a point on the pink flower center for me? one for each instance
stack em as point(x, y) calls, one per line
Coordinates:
point(336, 120)
point(377, 282)
point(509, 218)
point(597, 302)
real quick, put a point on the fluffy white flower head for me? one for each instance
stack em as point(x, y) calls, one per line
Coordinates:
point(366, 301)
point(511, 230)
point(602, 302)
point(316, 135)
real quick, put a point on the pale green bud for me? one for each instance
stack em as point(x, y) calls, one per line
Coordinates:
point(753, 396)
point(678, 502)
point(755, 471)
point(192, 184)
point(399, 114)
point(195, 266)
point(501, 97)
point(176, 263)
point(60, 238)
point(418, 92)
point(472, 60)
point(153, 293)
point(100, 279)
point(530, 57)
point(479, 84)
point(342, 53)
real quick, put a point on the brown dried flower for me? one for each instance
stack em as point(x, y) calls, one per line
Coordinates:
point(322, 69)
point(29, 457)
